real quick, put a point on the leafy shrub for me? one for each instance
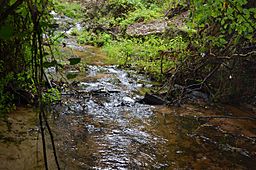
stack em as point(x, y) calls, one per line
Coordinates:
point(72, 10)
point(144, 53)
point(143, 14)
point(97, 39)
point(51, 96)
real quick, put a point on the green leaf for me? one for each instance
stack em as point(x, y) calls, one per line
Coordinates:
point(12, 2)
point(71, 75)
point(222, 22)
point(50, 64)
point(6, 32)
point(74, 61)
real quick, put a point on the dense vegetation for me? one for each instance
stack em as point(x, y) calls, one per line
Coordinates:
point(206, 46)
point(15, 47)
point(200, 45)
point(22, 26)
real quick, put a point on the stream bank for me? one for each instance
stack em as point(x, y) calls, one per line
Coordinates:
point(99, 124)
point(102, 126)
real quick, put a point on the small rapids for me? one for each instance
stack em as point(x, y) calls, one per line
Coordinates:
point(99, 124)
point(107, 114)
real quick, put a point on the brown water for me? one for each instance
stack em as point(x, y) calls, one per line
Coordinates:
point(103, 127)
point(100, 125)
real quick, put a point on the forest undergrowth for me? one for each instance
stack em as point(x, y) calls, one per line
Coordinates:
point(189, 45)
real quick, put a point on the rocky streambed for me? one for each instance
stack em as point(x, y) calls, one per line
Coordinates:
point(99, 124)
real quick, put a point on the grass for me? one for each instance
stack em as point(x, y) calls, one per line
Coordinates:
point(142, 14)
point(70, 9)
point(144, 53)
point(141, 52)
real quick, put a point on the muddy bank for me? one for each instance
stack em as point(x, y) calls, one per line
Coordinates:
point(98, 124)
point(20, 142)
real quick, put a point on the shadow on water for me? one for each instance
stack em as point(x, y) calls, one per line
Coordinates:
point(101, 126)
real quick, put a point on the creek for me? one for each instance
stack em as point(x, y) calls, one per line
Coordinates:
point(99, 124)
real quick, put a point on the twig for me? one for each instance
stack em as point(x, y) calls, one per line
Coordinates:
point(205, 79)
point(227, 117)
point(245, 55)
point(242, 15)
point(237, 55)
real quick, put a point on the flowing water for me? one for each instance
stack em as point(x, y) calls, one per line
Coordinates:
point(99, 124)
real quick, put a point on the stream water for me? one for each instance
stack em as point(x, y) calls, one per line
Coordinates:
point(99, 124)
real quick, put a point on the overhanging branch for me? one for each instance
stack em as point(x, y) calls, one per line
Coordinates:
point(10, 10)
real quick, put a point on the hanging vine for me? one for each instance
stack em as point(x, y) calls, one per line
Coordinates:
point(22, 24)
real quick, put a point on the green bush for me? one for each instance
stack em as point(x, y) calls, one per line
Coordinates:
point(143, 14)
point(144, 53)
point(72, 10)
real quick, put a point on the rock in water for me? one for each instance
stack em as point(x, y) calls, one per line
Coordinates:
point(152, 100)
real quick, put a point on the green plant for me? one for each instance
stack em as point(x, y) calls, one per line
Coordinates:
point(142, 14)
point(144, 53)
point(72, 10)
point(75, 32)
point(221, 54)
point(51, 96)
point(228, 17)
point(97, 39)
point(5, 96)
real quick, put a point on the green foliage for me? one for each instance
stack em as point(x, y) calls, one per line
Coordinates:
point(14, 47)
point(119, 8)
point(75, 32)
point(86, 38)
point(125, 12)
point(16, 35)
point(51, 96)
point(5, 96)
point(144, 53)
point(70, 9)
point(224, 31)
point(25, 81)
point(97, 39)
point(142, 14)
point(229, 17)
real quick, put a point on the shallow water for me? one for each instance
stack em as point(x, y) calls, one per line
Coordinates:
point(102, 126)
